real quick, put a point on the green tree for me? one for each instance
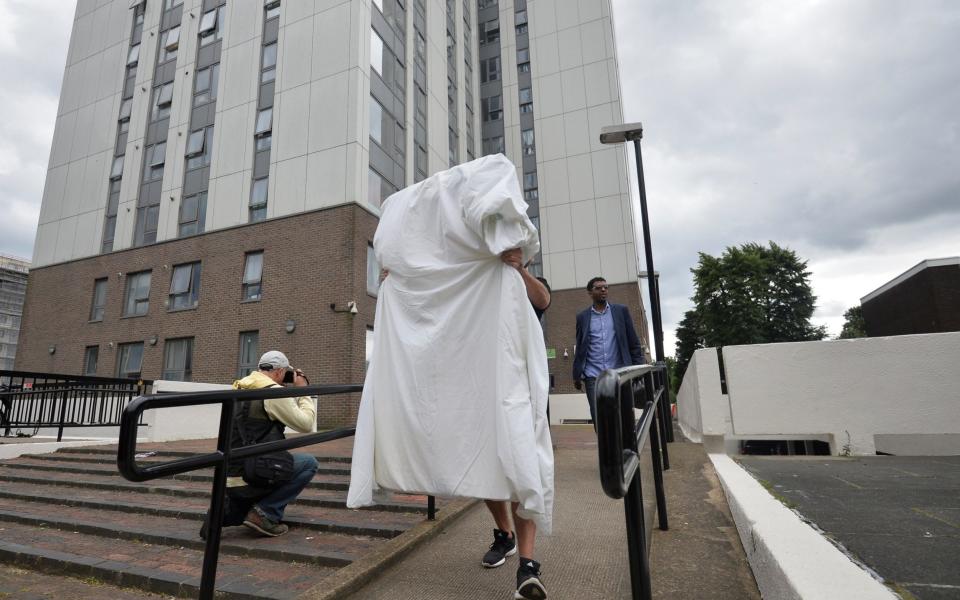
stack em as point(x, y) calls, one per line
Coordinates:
point(751, 294)
point(853, 326)
point(689, 339)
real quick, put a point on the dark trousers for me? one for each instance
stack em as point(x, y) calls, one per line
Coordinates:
point(590, 383)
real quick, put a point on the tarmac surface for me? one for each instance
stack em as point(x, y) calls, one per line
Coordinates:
point(586, 556)
point(898, 515)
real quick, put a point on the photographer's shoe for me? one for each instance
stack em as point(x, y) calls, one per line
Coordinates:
point(262, 524)
point(503, 545)
point(529, 586)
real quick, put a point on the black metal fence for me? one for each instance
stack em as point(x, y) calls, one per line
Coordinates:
point(621, 439)
point(223, 455)
point(33, 400)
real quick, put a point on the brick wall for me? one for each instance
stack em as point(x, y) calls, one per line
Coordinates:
point(928, 302)
point(310, 261)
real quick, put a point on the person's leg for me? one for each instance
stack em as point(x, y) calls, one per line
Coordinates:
point(590, 384)
point(529, 585)
point(273, 504)
point(504, 539)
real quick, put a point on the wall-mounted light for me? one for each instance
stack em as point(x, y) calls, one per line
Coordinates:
point(52, 349)
point(565, 353)
point(109, 344)
point(351, 307)
point(153, 340)
point(290, 326)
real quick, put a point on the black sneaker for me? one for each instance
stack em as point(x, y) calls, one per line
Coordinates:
point(529, 586)
point(503, 546)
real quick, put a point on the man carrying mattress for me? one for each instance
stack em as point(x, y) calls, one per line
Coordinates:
point(454, 403)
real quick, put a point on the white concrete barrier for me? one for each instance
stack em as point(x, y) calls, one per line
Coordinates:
point(789, 559)
point(897, 394)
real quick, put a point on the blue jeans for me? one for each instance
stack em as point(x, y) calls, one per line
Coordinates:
point(590, 383)
point(273, 504)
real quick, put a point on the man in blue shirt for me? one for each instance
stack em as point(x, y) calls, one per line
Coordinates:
point(606, 339)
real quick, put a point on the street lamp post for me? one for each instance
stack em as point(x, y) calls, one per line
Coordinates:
point(633, 132)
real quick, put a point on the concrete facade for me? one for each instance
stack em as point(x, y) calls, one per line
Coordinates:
point(895, 394)
point(189, 128)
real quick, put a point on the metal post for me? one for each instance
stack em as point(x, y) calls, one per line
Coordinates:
point(656, 451)
point(211, 553)
point(63, 412)
point(637, 542)
point(648, 249)
point(431, 508)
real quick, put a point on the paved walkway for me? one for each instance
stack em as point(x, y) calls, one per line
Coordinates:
point(585, 558)
point(900, 515)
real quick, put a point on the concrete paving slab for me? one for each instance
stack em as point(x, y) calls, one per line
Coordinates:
point(898, 515)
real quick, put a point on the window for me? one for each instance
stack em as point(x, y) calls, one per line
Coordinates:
point(116, 171)
point(526, 100)
point(258, 200)
point(126, 106)
point(521, 17)
point(531, 195)
point(211, 26)
point(492, 108)
point(368, 343)
point(163, 97)
point(153, 165)
point(193, 214)
point(206, 86)
point(493, 145)
point(265, 141)
point(249, 353)
point(252, 275)
point(200, 158)
point(489, 31)
point(178, 359)
point(173, 3)
point(273, 10)
point(99, 299)
point(378, 188)
point(526, 140)
point(145, 228)
point(269, 63)
point(136, 301)
point(376, 52)
point(373, 271)
point(264, 121)
point(376, 121)
point(195, 143)
point(486, 3)
point(523, 60)
point(490, 69)
point(133, 56)
point(91, 357)
point(208, 22)
point(453, 146)
point(171, 39)
point(529, 181)
point(184, 287)
point(129, 360)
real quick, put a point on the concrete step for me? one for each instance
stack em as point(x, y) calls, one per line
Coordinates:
point(71, 513)
point(158, 568)
point(315, 496)
point(110, 450)
point(381, 524)
point(327, 467)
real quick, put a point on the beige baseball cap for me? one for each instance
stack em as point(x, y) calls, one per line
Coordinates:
point(275, 359)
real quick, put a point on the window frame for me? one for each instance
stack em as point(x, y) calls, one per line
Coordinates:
point(86, 360)
point(99, 290)
point(246, 285)
point(191, 293)
point(245, 368)
point(182, 372)
point(123, 355)
point(137, 301)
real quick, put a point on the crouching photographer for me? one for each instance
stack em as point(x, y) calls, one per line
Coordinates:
point(259, 488)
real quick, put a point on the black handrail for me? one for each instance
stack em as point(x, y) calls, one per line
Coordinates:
point(620, 440)
point(63, 405)
point(224, 454)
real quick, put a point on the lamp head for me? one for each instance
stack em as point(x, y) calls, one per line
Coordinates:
point(618, 134)
point(353, 307)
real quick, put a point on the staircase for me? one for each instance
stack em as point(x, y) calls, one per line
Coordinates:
point(70, 512)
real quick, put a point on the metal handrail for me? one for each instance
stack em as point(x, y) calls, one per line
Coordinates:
point(620, 441)
point(38, 407)
point(224, 454)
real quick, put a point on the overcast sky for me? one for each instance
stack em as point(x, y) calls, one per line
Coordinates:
point(830, 127)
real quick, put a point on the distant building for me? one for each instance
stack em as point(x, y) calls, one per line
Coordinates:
point(925, 299)
point(13, 288)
